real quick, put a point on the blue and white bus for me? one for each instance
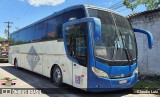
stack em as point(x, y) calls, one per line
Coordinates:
point(87, 47)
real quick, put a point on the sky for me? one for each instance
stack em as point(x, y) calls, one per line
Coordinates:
point(25, 12)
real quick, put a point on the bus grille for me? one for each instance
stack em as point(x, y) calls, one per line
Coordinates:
point(120, 76)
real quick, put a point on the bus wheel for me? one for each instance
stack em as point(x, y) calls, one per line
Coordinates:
point(16, 64)
point(57, 76)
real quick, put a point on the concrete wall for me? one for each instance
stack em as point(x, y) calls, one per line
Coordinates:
point(149, 59)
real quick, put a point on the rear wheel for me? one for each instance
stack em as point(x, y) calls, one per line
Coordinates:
point(16, 64)
point(57, 76)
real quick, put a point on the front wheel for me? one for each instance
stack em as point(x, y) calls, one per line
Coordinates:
point(57, 76)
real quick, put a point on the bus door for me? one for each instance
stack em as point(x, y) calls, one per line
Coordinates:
point(75, 37)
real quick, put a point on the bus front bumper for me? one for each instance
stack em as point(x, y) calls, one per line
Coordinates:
point(107, 84)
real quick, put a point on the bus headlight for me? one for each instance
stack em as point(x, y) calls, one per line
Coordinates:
point(135, 71)
point(100, 73)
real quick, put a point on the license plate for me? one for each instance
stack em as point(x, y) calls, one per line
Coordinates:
point(123, 82)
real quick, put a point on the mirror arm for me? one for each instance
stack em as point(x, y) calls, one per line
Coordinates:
point(149, 36)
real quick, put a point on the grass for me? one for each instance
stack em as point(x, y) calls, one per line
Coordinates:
point(148, 83)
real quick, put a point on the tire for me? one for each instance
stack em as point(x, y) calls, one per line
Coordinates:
point(16, 64)
point(57, 76)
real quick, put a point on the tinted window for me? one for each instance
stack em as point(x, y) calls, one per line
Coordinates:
point(40, 32)
point(48, 30)
point(53, 31)
point(12, 39)
point(30, 34)
point(22, 36)
point(117, 40)
point(73, 14)
point(76, 42)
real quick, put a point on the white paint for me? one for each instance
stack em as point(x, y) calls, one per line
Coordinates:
point(149, 59)
point(40, 57)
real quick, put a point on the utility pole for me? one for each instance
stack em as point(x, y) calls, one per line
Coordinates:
point(8, 26)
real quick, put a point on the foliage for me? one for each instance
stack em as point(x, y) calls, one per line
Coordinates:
point(150, 4)
point(1, 39)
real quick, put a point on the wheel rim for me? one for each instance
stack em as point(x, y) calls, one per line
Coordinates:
point(57, 75)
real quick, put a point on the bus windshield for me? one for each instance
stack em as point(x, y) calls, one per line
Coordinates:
point(117, 42)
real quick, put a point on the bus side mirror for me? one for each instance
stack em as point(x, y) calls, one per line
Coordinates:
point(97, 30)
point(149, 36)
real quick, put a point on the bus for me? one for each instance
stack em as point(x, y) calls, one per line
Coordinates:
point(85, 46)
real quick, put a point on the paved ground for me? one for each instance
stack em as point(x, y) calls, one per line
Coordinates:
point(27, 79)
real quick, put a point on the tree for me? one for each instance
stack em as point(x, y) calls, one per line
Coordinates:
point(2, 39)
point(150, 4)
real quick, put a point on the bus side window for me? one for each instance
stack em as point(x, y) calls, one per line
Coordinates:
point(60, 33)
point(76, 42)
point(80, 50)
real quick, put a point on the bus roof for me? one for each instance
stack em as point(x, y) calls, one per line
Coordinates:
point(105, 9)
point(68, 9)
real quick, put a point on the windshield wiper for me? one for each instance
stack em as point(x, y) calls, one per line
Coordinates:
point(115, 49)
point(128, 54)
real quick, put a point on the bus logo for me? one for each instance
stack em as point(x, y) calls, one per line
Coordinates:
point(79, 79)
point(122, 75)
point(8, 81)
point(33, 58)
